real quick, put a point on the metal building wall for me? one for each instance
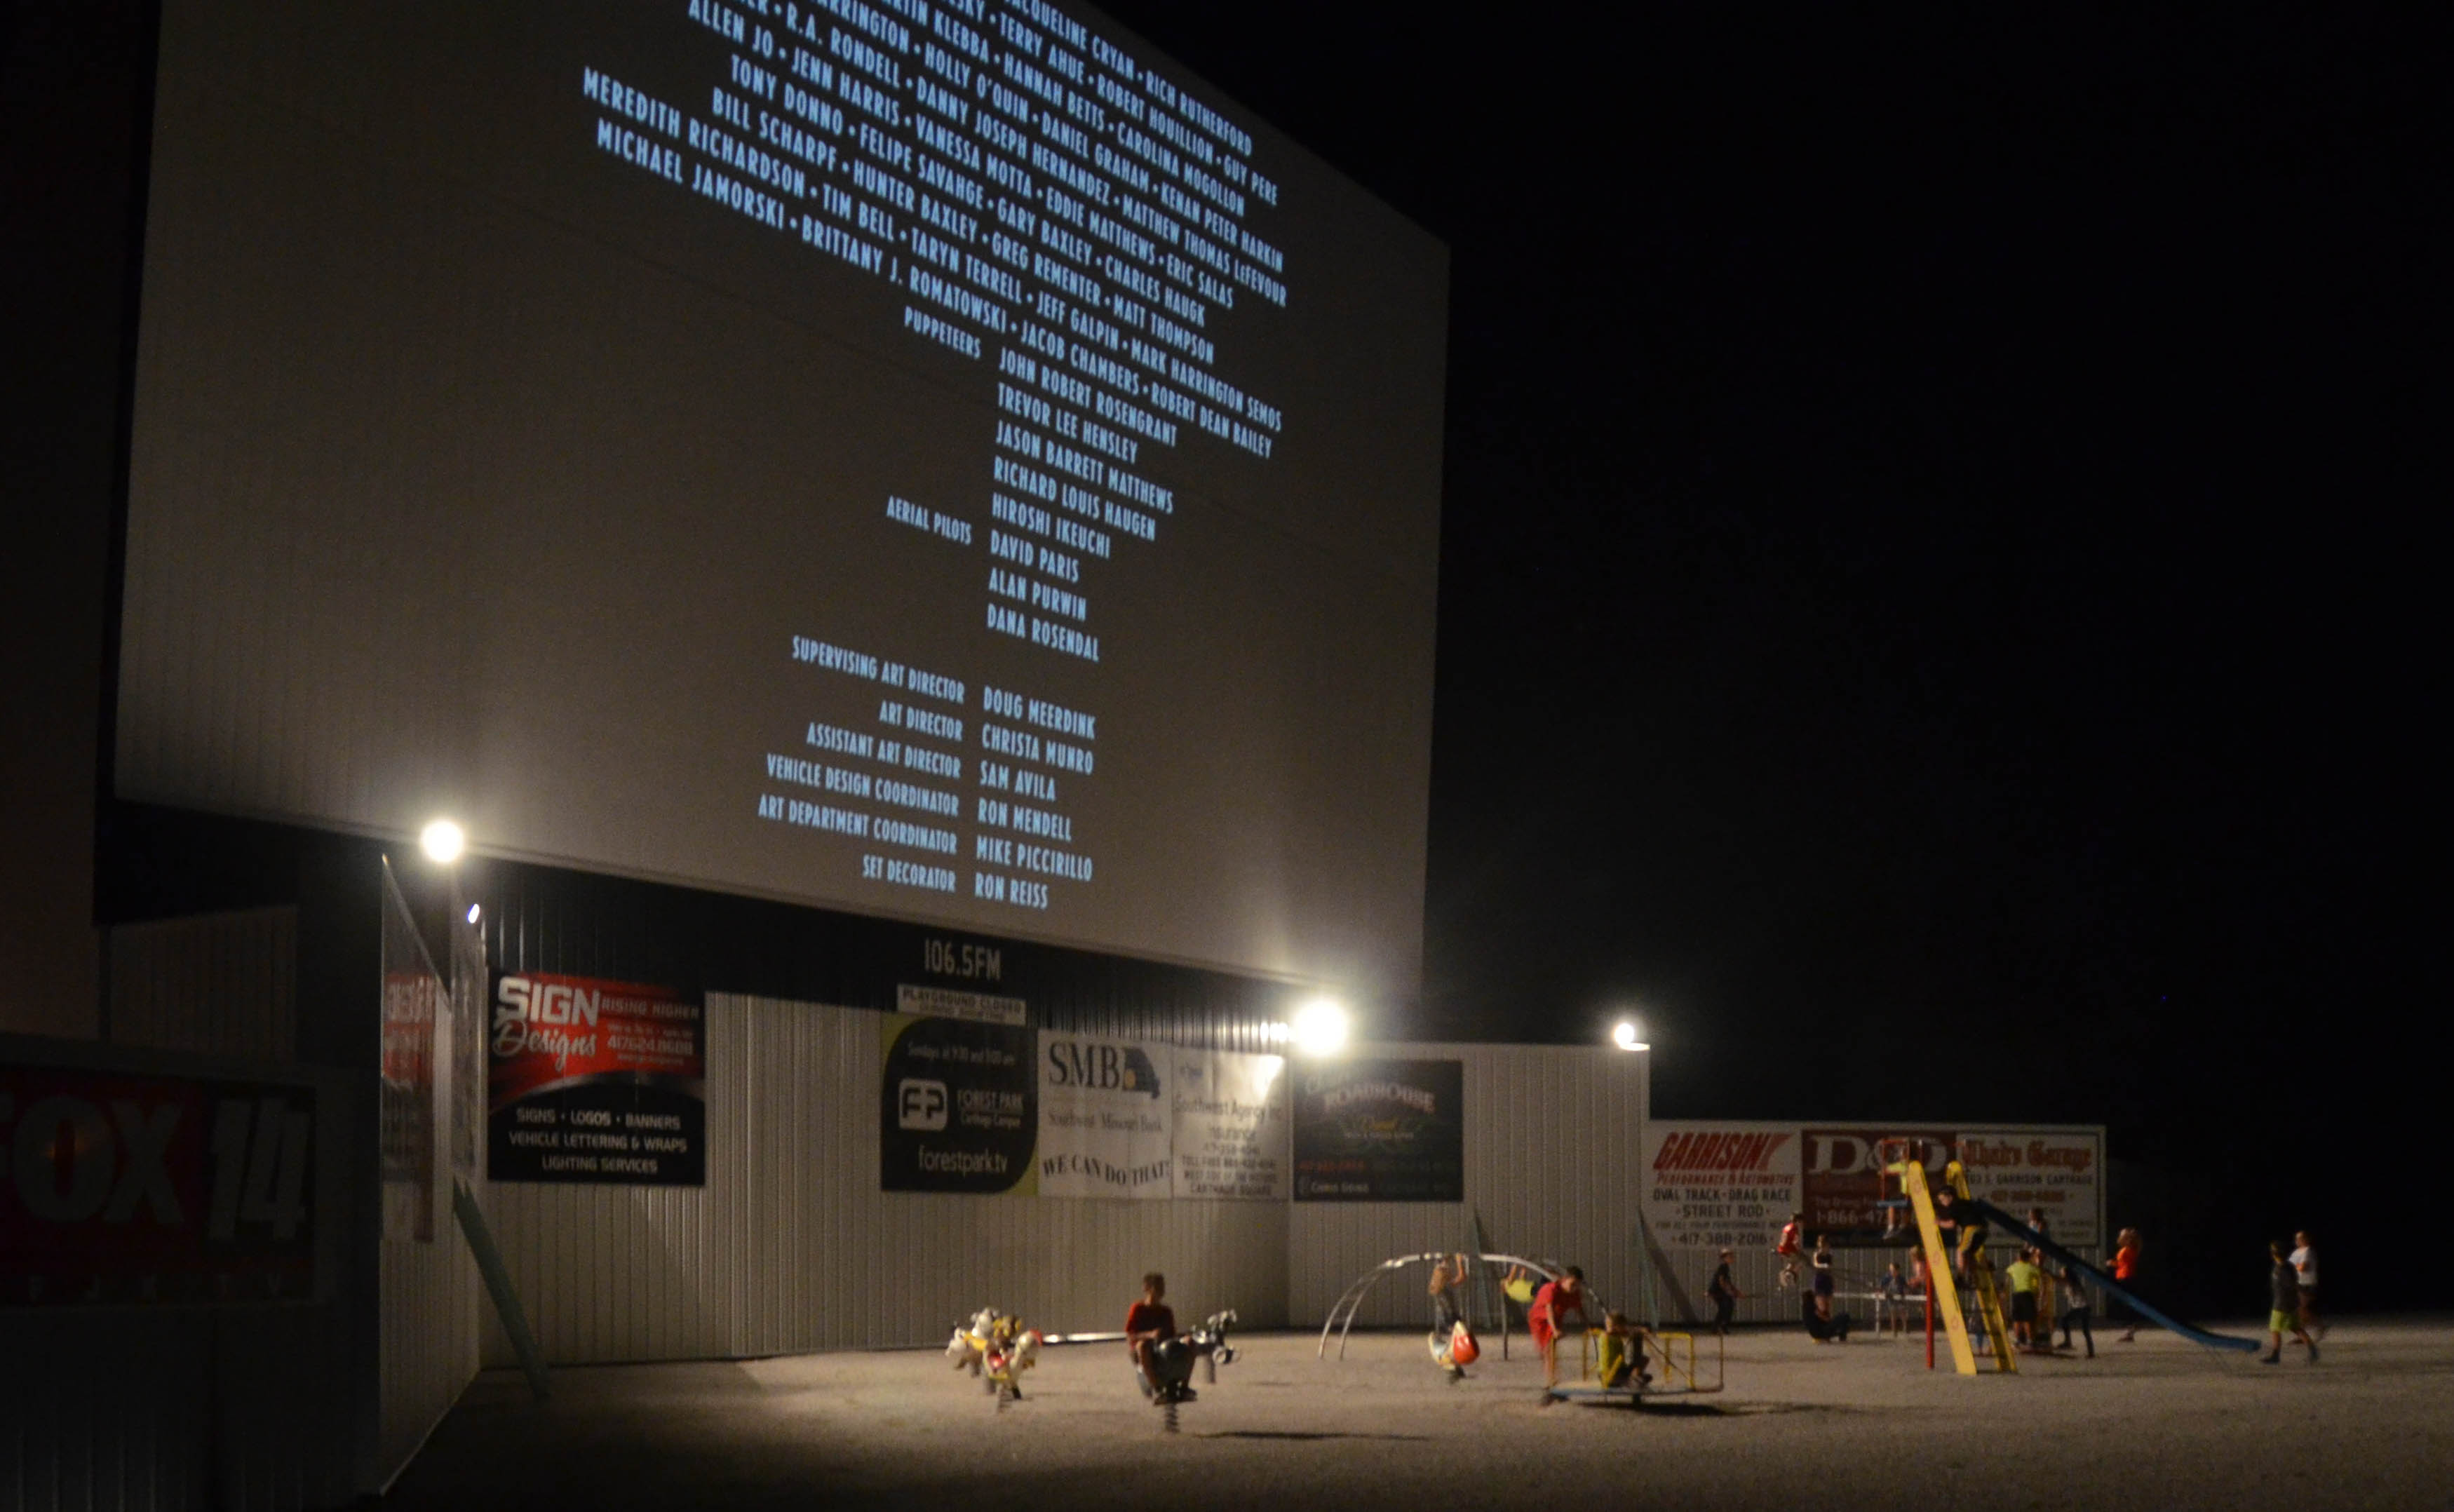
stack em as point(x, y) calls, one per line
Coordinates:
point(790, 1246)
point(1553, 1167)
point(215, 985)
point(427, 1291)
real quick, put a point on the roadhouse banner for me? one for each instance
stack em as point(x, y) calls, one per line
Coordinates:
point(957, 1105)
point(1105, 1118)
point(1380, 1130)
point(129, 1188)
point(594, 1081)
point(1230, 1125)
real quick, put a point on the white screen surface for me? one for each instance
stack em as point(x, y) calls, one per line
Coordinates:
point(941, 463)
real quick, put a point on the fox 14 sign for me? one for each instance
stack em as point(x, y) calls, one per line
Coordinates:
point(134, 1187)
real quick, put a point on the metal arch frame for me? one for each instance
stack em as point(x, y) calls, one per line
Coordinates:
point(1351, 1300)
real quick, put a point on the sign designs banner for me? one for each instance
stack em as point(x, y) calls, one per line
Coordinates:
point(128, 1188)
point(958, 1108)
point(1105, 1117)
point(594, 1081)
point(1230, 1125)
point(1380, 1130)
point(1721, 1184)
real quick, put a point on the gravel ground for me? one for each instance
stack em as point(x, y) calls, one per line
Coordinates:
point(2155, 1425)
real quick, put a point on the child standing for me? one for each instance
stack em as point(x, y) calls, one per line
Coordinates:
point(2027, 1282)
point(2284, 1298)
point(1724, 1292)
point(2075, 1309)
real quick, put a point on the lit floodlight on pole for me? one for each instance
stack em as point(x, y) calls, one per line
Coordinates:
point(1320, 1027)
point(1625, 1035)
point(443, 841)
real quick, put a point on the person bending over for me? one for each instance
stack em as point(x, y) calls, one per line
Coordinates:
point(1549, 1311)
point(1150, 1334)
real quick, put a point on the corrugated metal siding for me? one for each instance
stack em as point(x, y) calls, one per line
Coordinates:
point(428, 1291)
point(1553, 1167)
point(429, 1339)
point(150, 1411)
point(217, 984)
point(792, 1246)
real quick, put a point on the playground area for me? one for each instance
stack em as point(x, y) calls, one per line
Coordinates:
point(2157, 1423)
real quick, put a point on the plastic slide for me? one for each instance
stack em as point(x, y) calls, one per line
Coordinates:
point(1989, 1214)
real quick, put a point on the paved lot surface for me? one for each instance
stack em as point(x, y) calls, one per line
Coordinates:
point(2143, 1426)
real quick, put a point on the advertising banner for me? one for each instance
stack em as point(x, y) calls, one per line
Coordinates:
point(1842, 1180)
point(2054, 1172)
point(128, 1188)
point(1230, 1125)
point(957, 1105)
point(1734, 1182)
point(1721, 1184)
point(1380, 1130)
point(1105, 1118)
point(594, 1081)
point(414, 1018)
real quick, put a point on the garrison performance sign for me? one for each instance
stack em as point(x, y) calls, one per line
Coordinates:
point(957, 1105)
point(594, 1081)
point(1380, 1130)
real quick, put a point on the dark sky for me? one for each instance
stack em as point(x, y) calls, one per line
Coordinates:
point(1931, 602)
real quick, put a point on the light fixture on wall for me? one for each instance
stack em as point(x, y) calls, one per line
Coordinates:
point(1321, 1026)
point(1624, 1035)
point(442, 841)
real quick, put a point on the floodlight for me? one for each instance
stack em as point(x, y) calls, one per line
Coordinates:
point(1624, 1035)
point(443, 841)
point(1320, 1027)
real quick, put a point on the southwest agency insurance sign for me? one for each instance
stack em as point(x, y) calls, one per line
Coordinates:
point(1380, 1130)
point(129, 1188)
point(958, 1106)
point(594, 1081)
point(1230, 1125)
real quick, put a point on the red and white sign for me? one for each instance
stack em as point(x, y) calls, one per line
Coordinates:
point(1716, 1183)
point(1711, 1184)
point(122, 1187)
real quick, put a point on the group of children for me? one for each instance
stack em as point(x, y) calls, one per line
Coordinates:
point(2033, 1320)
point(1547, 1309)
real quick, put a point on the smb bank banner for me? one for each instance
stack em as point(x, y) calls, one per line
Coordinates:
point(981, 1107)
point(1734, 1182)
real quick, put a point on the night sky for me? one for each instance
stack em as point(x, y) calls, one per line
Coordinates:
point(1931, 605)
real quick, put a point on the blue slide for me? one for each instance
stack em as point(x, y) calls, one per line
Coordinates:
point(1987, 1213)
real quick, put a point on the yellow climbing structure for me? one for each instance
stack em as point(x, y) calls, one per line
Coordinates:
point(1939, 1272)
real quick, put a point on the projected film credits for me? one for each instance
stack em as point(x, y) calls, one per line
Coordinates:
point(1069, 220)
